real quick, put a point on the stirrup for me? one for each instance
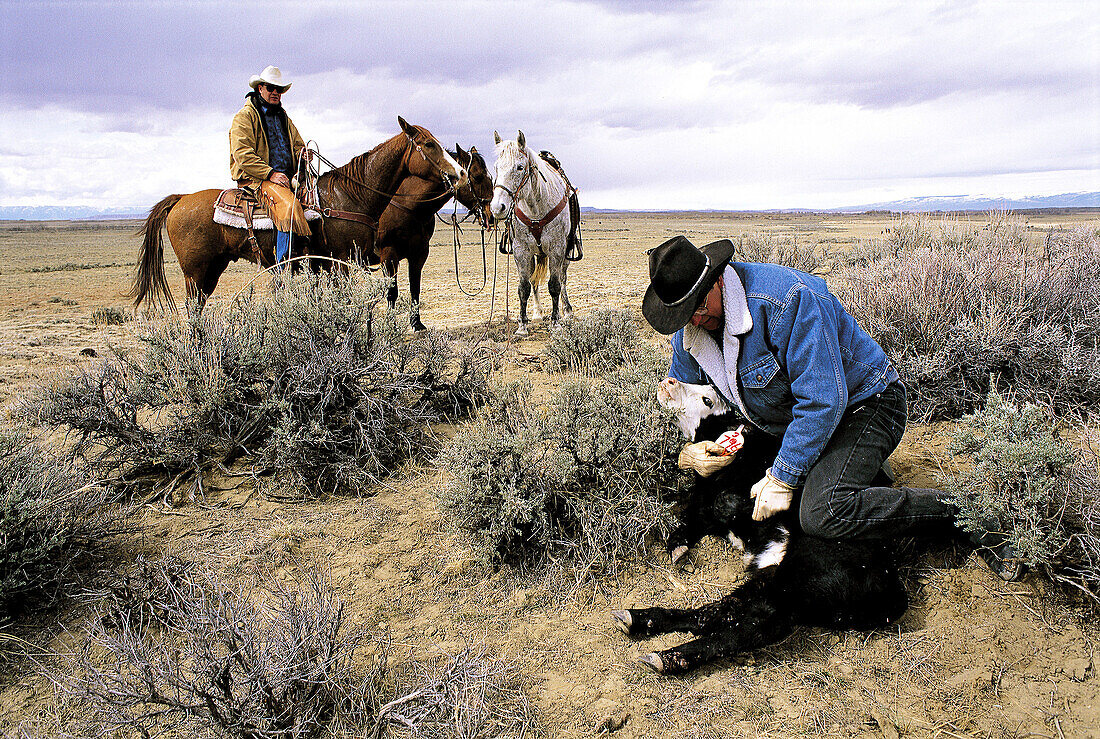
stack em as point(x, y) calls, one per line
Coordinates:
point(574, 253)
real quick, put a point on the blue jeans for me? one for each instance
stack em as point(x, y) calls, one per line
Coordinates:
point(282, 246)
point(841, 499)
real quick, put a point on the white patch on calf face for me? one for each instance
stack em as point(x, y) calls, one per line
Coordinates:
point(691, 403)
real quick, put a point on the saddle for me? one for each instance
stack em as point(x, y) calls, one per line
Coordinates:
point(573, 251)
point(238, 208)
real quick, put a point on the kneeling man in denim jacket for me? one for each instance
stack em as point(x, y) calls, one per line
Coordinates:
point(789, 358)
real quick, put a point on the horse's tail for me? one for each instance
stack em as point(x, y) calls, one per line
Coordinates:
point(149, 281)
point(541, 268)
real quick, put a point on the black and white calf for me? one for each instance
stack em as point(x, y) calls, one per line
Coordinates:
point(792, 579)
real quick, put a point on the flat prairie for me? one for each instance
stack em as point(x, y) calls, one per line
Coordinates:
point(973, 656)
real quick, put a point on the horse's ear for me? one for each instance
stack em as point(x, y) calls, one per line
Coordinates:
point(521, 140)
point(405, 126)
point(473, 150)
point(496, 137)
point(458, 150)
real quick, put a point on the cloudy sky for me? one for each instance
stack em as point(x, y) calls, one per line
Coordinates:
point(648, 104)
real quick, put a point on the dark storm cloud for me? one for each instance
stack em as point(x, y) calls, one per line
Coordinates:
point(109, 56)
point(729, 99)
point(663, 7)
point(882, 56)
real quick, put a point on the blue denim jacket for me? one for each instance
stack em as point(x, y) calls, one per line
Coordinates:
point(801, 365)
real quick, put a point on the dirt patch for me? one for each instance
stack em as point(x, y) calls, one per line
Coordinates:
point(972, 657)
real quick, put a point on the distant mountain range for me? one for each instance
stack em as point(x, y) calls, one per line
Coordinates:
point(965, 202)
point(66, 213)
point(931, 203)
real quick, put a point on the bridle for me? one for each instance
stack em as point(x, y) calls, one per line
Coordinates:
point(451, 188)
point(480, 211)
point(523, 181)
point(362, 217)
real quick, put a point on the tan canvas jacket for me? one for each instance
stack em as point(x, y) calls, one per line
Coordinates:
point(248, 148)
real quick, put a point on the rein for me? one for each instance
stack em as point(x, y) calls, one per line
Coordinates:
point(348, 215)
point(457, 242)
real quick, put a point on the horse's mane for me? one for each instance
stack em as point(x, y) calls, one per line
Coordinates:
point(548, 173)
point(355, 171)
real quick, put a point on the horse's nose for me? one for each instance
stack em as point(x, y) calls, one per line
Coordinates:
point(463, 177)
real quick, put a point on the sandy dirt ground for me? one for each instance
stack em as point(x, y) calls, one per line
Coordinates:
point(973, 656)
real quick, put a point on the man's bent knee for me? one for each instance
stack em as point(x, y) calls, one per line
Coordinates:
point(833, 516)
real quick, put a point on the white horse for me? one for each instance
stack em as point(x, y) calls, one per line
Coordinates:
point(533, 198)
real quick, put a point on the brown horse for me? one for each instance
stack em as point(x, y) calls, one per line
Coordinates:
point(352, 199)
point(407, 225)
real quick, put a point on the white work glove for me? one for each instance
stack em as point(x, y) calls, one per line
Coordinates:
point(772, 496)
point(704, 457)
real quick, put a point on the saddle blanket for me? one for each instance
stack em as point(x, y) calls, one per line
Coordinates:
point(229, 211)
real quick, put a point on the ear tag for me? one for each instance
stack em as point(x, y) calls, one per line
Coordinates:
point(732, 441)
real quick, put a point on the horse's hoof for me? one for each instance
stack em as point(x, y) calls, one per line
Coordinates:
point(522, 330)
point(678, 553)
point(653, 661)
point(623, 620)
point(418, 327)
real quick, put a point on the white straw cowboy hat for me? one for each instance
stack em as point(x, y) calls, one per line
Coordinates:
point(270, 76)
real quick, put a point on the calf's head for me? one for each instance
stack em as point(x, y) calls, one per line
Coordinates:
point(691, 404)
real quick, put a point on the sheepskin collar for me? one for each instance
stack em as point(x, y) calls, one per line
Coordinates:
point(720, 362)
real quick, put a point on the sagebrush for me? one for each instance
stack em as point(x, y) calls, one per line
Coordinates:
point(176, 649)
point(314, 384)
point(585, 477)
point(1041, 488)
point(788, 252)
point(110, 316)
point(964, 310)
point(52, 516)
point(599, 342)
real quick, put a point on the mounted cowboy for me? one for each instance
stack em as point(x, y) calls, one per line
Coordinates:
point(264, 150)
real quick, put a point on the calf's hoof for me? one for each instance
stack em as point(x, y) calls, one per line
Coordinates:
point(678, 553)
point(654, 662)
point(623, 620)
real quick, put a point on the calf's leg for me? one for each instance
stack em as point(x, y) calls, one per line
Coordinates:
point(716, 645)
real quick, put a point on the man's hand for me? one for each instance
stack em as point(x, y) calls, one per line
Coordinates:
point(704, 457)
point(278, 178)
point(772, 496)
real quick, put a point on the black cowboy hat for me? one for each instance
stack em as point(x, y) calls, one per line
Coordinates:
point(680, 276)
